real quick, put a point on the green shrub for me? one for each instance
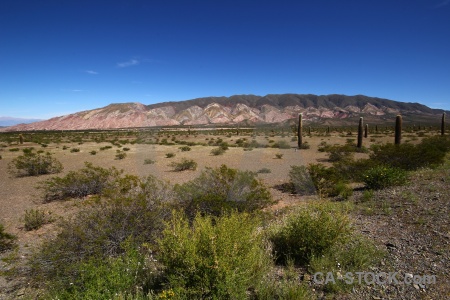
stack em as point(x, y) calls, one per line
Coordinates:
point(93, 152)
point(223, 189)
point(6, 239)
point(170, 155)
point(149, 161)
point(133, 213)
point(183, 165)
point(120, 155)
point(185, 148)
point(325, 179)
point(381, 177)
point(300, 181)
point(89, 180)
point(14, 149)
point(126, 149)
point(73, 150)
point(105, 148)
point(34, 164)
point(215, 258)
point(35, 219)
point(282, 144)
point(264, 171)
point(309, 232)
point(279, 155)
point(217, 151)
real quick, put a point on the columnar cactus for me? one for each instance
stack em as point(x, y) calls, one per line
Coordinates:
point(443, 124)
point(366, 130)
point(21, 139)
point(300, 131)
point(360, 133)
point(398, 129)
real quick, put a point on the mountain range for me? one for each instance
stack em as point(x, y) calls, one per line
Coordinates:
point(238, 109)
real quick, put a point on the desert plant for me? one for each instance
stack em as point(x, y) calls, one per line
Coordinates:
point(20, 139)
point(34, 164)
point(149, 161)
point(183, 165)
point(105, 148)
point(215, 258)
point(35, 219)
point(217, 151)
point(120, 155)
point(223, 189)
point(300, 181)
point(309, 232)
point(443, 124)
point(398, 129)
point(279, 155)
point(170, 155)
point(264, 171)
point(185, 148)
point(300, 131)
point(6, 239)
point(360, 133)
point(74, 150)
point(380, 177)
point(90, 180)
point(93, 152)
point(126, 149)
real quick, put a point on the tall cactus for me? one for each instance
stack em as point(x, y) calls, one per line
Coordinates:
point(300, 131)
point(398, 129)
point(360, 133)
point(366, 130)
point(443, 124)
point(21, 139)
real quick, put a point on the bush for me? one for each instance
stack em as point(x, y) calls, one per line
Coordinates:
point(73, 150)
point(223, 189)
point(105, 148)
point(309, 232)
point(120, 155)
point(170, 155)
point(217, 151)
point(34, 164)
point(185, 148)
point(264, 171)
point(35, 219)
point(300, 181)
point(183, 165)
point(215, 258)
point(126, 149)
point(326, 180)
point(149, 161)
point(279, 155)
point(381, 177)
point(93, 152)
point(90, 180)
point(133, 214)
point(6, 239)
point(282, 144)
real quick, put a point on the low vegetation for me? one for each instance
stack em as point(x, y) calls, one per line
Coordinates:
point(34, 164)
point(6, 239)
point(183, 165)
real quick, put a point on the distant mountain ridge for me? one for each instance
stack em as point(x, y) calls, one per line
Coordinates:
point(248, 109)
point(10, 121)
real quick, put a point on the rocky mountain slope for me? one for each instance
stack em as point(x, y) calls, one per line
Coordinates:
point(248, 109)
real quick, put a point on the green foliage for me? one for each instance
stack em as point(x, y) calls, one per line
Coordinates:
point(34, 164)
point(264, 171)
point(90, 180)
point(185, 148)
point(223, 189)
point(35, 219)
point(14, 150)
point(120, 155)
point(109, 277)
point(134, 213)
point(105, 148)
point(170, 155)
point(380, 177)
point(93, 152)
point(126, 149)
point(217, 151)
point(183, 165)
point(279, 155)
point(309, 232)
point(74, 150)
point(300, 181)
point(215, 258)
point(282, 144)
point(325, 179)
point(6, 239)
point(149, 161)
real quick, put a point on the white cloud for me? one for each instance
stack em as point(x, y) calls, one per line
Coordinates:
point(129, 63)
point(91, 72)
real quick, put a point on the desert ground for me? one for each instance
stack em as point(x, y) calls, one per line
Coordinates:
point(386, 223)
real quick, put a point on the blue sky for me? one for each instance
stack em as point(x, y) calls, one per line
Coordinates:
point(59, 57)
